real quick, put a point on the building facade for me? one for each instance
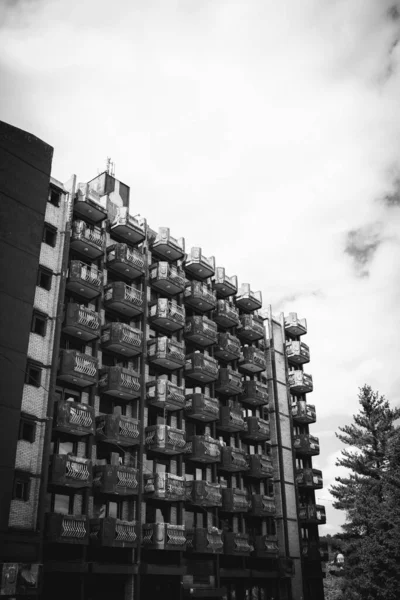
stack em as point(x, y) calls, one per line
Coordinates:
point(159, 435)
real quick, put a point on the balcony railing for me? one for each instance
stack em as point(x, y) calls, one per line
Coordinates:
point(89, 205)
point(251, 328)
point(122, 339)
point(198, 265)
point(75, 418)
point(203, 449)
point(164, 486)
point(167, 279)
point(309, 478)
point(200, 296)
point(123, 299)
point(252, 360)
point(77, 368)
point(234, 460)
point(226, 314)
point(114, 533)
point(87, 240)
point(295, 326)
point(235, 500)
point(248, 300)
point(297, 352)
point(201, 368)
point(300, 382)
point(260, 466)
point(255, 393)
point(116, 480)
point(70, 471)
point(205, 540)
point(167, 247)
point(84, 280)
point(202, 408)
point(256, 429)
point(126, 228)
point(118, 429)
point(266, 546)
point(166, 395)
point(201, 331)
point(120, 382)
point(227, 348)
point(81, 322)
point(237, 544)
point(167, 316)
point(231, 418)
point(203, 493)
point(165, 439)
point(164, 536)
point(229, 382)
point(224, 286)
point(67, 529)
point(303, 412)
point(312, 514)
point(306, 444)
point(166, 353)
point(125, 260)
point(262, 506)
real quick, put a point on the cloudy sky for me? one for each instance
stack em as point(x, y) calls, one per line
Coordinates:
point(266, 132)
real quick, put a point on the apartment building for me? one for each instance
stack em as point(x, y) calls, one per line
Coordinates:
point(159, 439)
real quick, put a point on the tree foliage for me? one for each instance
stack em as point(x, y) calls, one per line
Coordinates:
point(370, 496)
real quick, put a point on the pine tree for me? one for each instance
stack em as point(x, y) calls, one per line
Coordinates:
point(370, 496)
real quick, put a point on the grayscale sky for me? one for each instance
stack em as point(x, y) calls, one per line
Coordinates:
point(266, 132)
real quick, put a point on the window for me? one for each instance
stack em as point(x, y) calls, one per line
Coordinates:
point(44, 278)
point(21, 487)
point(39, 323)
point(49, 235)
point(27, 429)
point(54, 197)
point(33, 374)
point(63, 504)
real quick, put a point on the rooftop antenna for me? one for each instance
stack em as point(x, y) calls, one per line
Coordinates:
point(110, 167)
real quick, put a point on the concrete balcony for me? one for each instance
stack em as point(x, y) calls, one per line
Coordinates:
point(164, 536)
point(123, 299)
point(260, 467)
point(266, 546)
point(166, 247)
point(262, 506)
point(164, 486)
point(110, 532)
point(312, 514)
point(70, 471)
point(89, 205)
point(201, 331)
point(306, 444)
point(167, 279)
point(295, 326)
point(203, 493)
point(167, 316)
point(81, 322)
point(74, 418)
point(84, 280)
point(223, 285)
point(226, 314)
point(234, 460)
point(255, 393)
point(303, 412)
point(256, 429)
point(300, 382)
point(298, 353)
point(201, 368)
point(248, 300)
point(126, 228)
point(125, 261)
point(119, 382)
point(203, 449)
point(231, 419)
point(205, 540)
point(252, 360)
point(229, 382)
point(118, 430)
point(235, 500)
point(87, 240)
point(164, 439)
point(67, 529)
point(309, 478)
point(198, 265)
point(237, 544)
point(116, 480)
point(203, 408)
point(166, 353)
point(166, 395)
point(250, 329)
point(122, 339)
point(228, 347)
point(200, 296)
point(77, 368)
